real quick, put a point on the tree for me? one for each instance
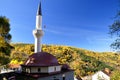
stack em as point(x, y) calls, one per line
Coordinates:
point(5, 37)
point(19, 56)
point(115, 31)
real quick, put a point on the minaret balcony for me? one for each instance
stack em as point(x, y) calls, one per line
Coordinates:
point(37, 33)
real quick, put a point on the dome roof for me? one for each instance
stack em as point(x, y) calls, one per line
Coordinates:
point(41, 59)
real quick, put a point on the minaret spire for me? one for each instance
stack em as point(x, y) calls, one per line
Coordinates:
point(39, 12)
point(38, 32)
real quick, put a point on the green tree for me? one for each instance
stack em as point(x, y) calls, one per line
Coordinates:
point(20, 56)
point(115, 31)
point(5, 37)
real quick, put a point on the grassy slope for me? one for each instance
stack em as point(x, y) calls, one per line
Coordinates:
point(84, 62)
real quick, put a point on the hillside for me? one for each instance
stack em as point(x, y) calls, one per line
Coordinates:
point(84, 62)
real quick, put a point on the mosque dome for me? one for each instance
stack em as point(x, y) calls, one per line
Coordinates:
point(41, 59)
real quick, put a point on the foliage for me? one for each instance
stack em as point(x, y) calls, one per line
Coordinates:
point(5, 37)
point(5, 28)
point(115, 31)
point(115, 75)
point(3, 59)
point(20, 53)
point(84, 62)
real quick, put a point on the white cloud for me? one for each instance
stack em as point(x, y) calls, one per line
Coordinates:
point(75, 32)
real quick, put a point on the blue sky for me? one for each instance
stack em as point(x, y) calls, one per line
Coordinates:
point(78, 23)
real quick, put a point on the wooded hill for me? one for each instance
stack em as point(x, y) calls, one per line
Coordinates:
point(84, 62)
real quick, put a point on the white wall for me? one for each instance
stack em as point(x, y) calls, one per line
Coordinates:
point(51, 69)
point(34, 69)
point(44, 69)
point(58, 68)
point(54, 68)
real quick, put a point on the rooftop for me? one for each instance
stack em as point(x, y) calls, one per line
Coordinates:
point(41, 59)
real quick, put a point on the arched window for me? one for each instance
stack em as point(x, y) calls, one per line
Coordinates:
point(29, 71)
point(63, 76)
point(39, 70)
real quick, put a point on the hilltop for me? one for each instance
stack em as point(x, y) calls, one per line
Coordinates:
point(83, 61)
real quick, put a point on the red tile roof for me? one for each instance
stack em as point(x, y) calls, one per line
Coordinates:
point(14, 65)
point(41, 59)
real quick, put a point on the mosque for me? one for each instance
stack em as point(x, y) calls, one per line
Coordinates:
point(43, 65)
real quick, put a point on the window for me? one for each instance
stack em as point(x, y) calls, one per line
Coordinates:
point(55, 68)
point(28, 70)
point(63, 76)
point(23, 69)
point(39, 70)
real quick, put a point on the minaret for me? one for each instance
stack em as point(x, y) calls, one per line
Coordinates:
point(38, 32)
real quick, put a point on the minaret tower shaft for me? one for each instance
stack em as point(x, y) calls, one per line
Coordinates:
point(38, 32)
